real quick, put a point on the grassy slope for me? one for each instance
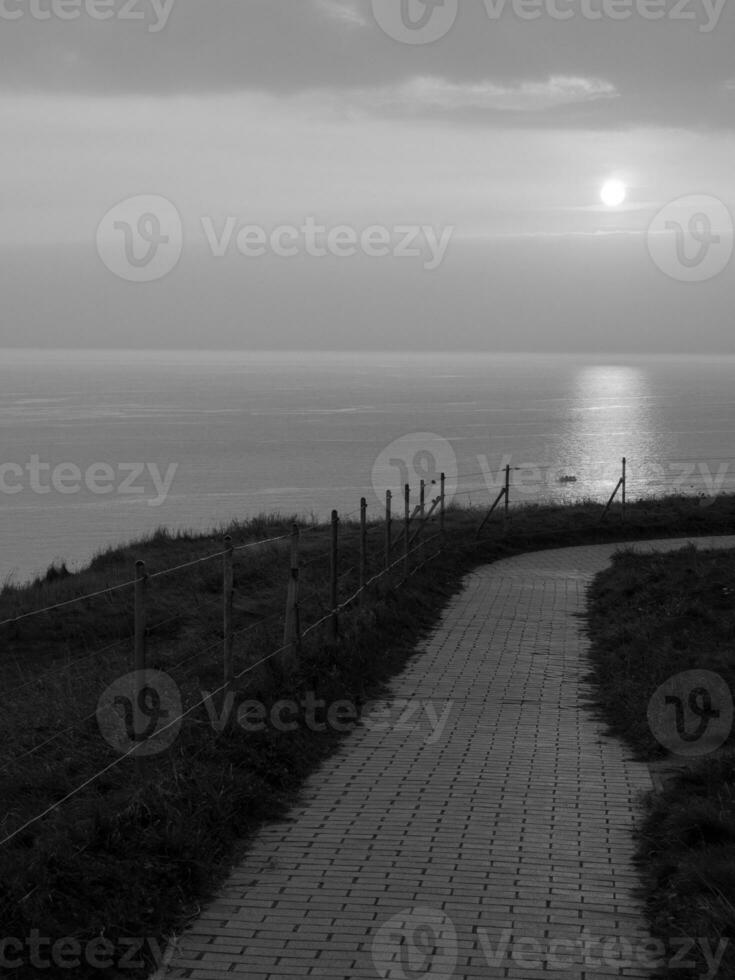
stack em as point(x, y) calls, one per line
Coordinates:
point(651, 618)
point(126, 860)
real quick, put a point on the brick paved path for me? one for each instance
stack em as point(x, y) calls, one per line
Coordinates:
point(483, 805)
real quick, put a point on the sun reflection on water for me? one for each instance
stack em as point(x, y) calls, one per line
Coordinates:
point(612, 415)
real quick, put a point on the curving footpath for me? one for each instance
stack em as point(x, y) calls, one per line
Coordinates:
point(476, 825)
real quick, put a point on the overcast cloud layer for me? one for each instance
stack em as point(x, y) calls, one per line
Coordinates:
point(277, 112)
point(669, 71)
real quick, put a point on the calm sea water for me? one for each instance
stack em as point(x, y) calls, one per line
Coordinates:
point(225, 435)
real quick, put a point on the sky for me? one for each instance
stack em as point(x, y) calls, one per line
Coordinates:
point(362, 174)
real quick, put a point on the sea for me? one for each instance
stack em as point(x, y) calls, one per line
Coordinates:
point(102, 447)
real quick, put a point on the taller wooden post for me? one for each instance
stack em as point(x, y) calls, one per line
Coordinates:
point(292, 627)
point(228, 590)
point(443, 508)
point(388, 529)
point(140, 623)
point(363, 549)
point(407, 532)
point(333, 626)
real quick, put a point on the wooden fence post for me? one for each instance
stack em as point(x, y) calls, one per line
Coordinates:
point(292, 626)
point(333, 629)
point(388, 528)
point(612, 498)
point(407, 558)
point(422, 515)
point(228, 591)
point(625, 488)
point(507, 496)
point(443, 511)
point(363, 549)
point(141, 582)
point(140, 623)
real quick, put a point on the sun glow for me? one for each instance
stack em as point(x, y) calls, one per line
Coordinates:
point(613, 193)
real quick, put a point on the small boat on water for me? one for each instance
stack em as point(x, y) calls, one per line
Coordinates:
point(567, 479)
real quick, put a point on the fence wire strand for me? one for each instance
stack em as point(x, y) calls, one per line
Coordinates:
point(68, 602)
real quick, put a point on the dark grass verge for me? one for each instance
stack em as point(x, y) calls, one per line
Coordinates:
point(129, 861)
point(650, 618)
point(125, 860)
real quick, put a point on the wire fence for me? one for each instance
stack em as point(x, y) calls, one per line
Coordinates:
point(408, 536)
point(396, 544)
point(510, 482)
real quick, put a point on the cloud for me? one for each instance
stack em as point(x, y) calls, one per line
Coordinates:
point(341, 11)
point(427, 93)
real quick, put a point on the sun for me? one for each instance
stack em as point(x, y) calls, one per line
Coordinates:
point(613, 193)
